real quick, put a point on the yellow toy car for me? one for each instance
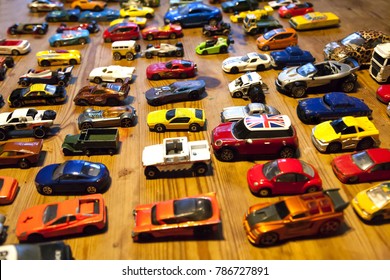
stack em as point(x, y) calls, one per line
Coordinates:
point(259, 13)
point(140, 21)
point(180, 118)
point(314, 20)
point(58, 57)
point(345, 133)
point(136, 11)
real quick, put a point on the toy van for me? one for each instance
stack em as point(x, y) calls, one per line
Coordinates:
point(125, 49)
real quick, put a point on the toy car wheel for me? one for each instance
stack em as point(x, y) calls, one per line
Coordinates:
point(268, 239)
point(107, 40)
point(35, 237)
point(82, 41)
point(66, 152)
point(88, 152)
point(226, 32)
point(39, 132)
point(24, 83)
point(47, 190)
point(45, 63)
point(159, 128)
point(223, 49)
point(148, 55)
point(172, 36)
point(265, 48)
point(16, 103)
point(378, 219)
point(365, 144)
point(203, 231)
point(312, 189)
point(127, 122)
point(34, 10)
point(9, 62)
point(151, 172)
point(129, 56)
point(329, 227)
point(156, 77)
point(226, 154)
point(205, 52)
point(333, 148)
point(86, 125)
point(97, 80)
point(194, 127)
point(148, 16)
point(15, 52)
point(237, 94)
point(264, 192)
point(119, 80)
point(179, 53)
point(348, 86)
point(91, 189)
point(213, 22)
point(149, 37)
point(353, 180)
point(97, 8)
point(3, 134)
point(50, 101)
point(41, 31)
point(260, 67)
point(287, 152)
point(12, 31)
point(145, 237)
point(298, 91)
point(288, 16)
point(72, 62)
point(111, 152)
point(200, 169)
point(57, 44)
point(234, 70)
point(24, 164)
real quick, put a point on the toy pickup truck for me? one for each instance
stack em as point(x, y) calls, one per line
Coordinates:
point(5, 63)
point(176, 154)
point(92, 141)
point(253, 26)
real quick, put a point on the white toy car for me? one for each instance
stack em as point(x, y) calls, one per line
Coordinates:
point(14, 46)
point(236, 113)
point(112, 73)
point(279, 3)
point(164, 49)
point(251, 62)
point(248, 86)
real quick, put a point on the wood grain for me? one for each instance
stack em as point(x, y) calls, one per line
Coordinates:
point(129, 186)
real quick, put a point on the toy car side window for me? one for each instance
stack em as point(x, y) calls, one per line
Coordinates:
point(349, 130)
point(180, 120)
point(286, 178)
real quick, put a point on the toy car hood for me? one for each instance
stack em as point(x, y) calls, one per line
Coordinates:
point(345, 165)
point(262, 215)
point(44, 175)
point(233, 60)
point(290, 74)
point(324, 132)
point(233, 112)
point(30, 219)
point(158, 92)
point(156, 67)
point(152, 155)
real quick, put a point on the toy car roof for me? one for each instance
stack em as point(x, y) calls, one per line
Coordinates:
point(267, 122)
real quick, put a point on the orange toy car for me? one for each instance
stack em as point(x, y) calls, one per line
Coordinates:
point(88, 5)
point(86, 214)
point(190, 216)
point(309, 214)
point(8, 189)
point(22, 154)
point(277, 39)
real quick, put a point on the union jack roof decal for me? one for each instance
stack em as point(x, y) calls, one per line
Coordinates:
point(267, 122)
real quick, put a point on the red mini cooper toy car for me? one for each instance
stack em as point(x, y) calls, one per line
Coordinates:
point(173, 69)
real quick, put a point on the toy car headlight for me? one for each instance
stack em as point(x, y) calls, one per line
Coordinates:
point(218, 143)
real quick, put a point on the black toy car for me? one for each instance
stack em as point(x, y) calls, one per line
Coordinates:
point(28, 28)
point(51, 77)
point(37, 94)
point(56, 250)
point(222, 28)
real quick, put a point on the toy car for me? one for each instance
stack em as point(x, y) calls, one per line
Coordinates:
point(279, 38)
point(331, 106)
point(345, 133)
point(319, 213)
point(173, 69)
point(72, 177)
point(103, 94)
point(283, 176)
point(297, 80)
point(383, 93)
point(59, 77)
point(37, 93)
point(140, 21)
point(3, 229)
point(248, 86)
point(290, 56)
point(121, 32)
point(21, 154)
point(197, 216)
point(169, 31)
point(258, 13)
point(89, 5)
point(5, 63)
point(176, 119)
point(45, 6)
point(249, 62)
point(164, 50)
point(127, 49)
point(58, 57)
point(14, 46)
point(112, 73)
point(177, 91)
point(252, 25)
point(280, 3)
point(70, 37)
point(214, 46)
point(358, 45)
point(222, 28)
point(55, 250)
point(105, 15)
point(236, 113)
point(147, 3)
point(373, 204)
point(26, 119)
point(8, 190)
point(295, 9)
point(137, 11)
point(365, 166)
point(63, 15)
point(314, 20)
point(238, 6)
point(86, 214)
point(28, 28)
point(193, 14)
point(123, 116)
point(92, 27)
point(263, 135)
point(176, 3)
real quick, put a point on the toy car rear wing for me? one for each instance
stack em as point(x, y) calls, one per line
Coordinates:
point(338, 202)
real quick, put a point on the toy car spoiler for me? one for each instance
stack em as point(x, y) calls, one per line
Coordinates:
point(68, 71)
point(337, 200)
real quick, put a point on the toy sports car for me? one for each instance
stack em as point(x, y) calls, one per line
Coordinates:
point(21, 154)
point(169, 31)
point(177, 91)
point(72, 177)
point(314, 20)
point(45, 6)
point(214, 46)
point(112, 73)
point(295, 9)
point(28, 28)
point(250, 62)
point(280, 3)
point(37, 94)
point(123, 116)
point(222, 28)
point(176, 119)
point(88, 5)
point(63, 15)
point(290, 56)
point(176, 68)
point(137, 11)
point(234, 6)
point(70, 37)
point(121, 32)
point(8, 190)
point(297, 80)
point(58, 57)
point(236, 113)
point(92, 27)
point(164, 49)
point(345, 133)
point(319, 213)
point(383, 93)
point(59, 77)
point(197, 216)
point(86, 214)
point(258, 13)
point(105, 15)
point(14, 46)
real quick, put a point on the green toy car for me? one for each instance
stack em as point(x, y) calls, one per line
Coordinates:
point(214, 46)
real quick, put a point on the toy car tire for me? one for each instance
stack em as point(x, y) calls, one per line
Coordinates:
point(126, 122)
point(226, 154)
point(205, 52)
point(260, 67)
point(117, 56)
point(194, 95)
point(148, 16)
point(97, 80)
point(149, 37)
point(91, 189)
point(223, 49)
point(287, 152)
point(194, 127)
point(226, 32)
point(265, 48)
point(148, 55)
point(15, 52)
point(41, 31)
point(172, 36)
point(129, 56)
point(66, 152)
point(39, 132)
point(24, 83)
point(353, 180)
point(312, 189)
point(298, 91)
point(45, 63)
point(329, 227)
point(237, 94)
point(107, 40)
point(57, 44)
point(179, 53)
point(16, 103)
point(12, 31)
point(151, 172)
point(268, 239)
point(88, 230)
point(348, 86)
point(3, 134)
point(159, 128)
point(183, 75)
point(46, 190)
point(24, 164)
point(200, 169)
point(86, 125)
point(365, 144)
point(71, 62)
point(156, 77)
point(9, 62)
point(234, 70)
point(82, 41)
point(207, 33)
point(334, 147)
point(35, 237)
point(213, 22)
point(264, 192)
point(34, 10)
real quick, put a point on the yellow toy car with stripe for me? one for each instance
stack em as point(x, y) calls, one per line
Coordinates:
point(259, 13)
point(177, 119)
point(314, 20)
point(140, 21)
point(58, 57)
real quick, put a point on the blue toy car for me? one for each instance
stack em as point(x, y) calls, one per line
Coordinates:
point(291, 56)
point(193, 14)
point(73, 177)
point(63, 15)
point(331, 106)
point(105, 15)
point(70, 37)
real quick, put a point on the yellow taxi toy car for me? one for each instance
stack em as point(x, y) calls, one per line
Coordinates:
point(314, 20)
point(58, 57)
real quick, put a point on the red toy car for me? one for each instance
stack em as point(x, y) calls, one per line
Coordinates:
point(295, 9)
point(173, 69)
point(283, 176)
point(86, 214)
point(365, 166)
point(8, 189)
point(169, 31)
point(120, 32)
point(190, 216)
point(383, 93)
point(92, 27)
